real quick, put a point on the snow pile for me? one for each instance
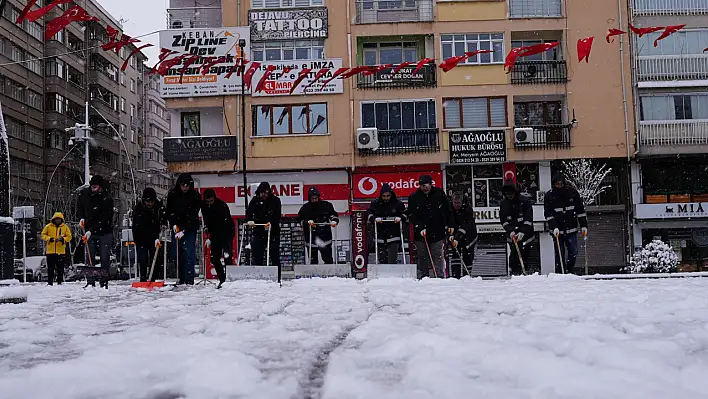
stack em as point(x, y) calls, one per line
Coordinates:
point(532, 338)
point(12, 292)
point(7, 220)
point(656, 257)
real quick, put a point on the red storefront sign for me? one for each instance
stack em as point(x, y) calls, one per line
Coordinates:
point(368, 185)
point(359, 250)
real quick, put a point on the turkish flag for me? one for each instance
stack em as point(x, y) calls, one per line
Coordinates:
point(401, 66)
point(164, 53)
point(187, 62)
point(338, 72)
point(132, 53)
point(73, 14)
point(322, 72)
point(643, 31)
point(667, 32)
point(39, 13)
point(422, 63)
point(248, 76)
point(613, 32)
point(25, 11)
point(354, 71)
point(510, 171)
point(375, 69)
point(269, 70)
point(303, 74)
point(584, 48)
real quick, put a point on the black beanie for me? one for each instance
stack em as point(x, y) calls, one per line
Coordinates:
point(425, 179)
point(149, 194)
point(96, 181)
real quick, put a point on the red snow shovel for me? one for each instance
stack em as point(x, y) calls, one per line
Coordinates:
point(149, 285)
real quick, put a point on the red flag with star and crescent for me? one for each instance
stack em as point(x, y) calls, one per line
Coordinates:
point(73, 14)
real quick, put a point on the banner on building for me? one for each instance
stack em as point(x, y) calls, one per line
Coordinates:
point(187, 79)
point(288, 24)
point(200, 148)
point(290, 193)
point(359, 251)
point(279, 84)
point(477, 146)
point(368, 185)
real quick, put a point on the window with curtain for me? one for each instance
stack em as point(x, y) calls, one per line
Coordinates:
point(683, 42)
point(399, 115)
point(288, 50)
point(458, 44)
point(474, 112)
point(390, 53)
point(674, 107)
point(538, 113)
point(280, 120)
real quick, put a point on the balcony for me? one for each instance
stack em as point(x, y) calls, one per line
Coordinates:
point(391, 11)
point(405, 141)
point(669, 7)
point(544, 136)
point(688, 132)
point(535, 9)
point(403, 79)
point(667, 68)
point(193, 17)
point(539, 72)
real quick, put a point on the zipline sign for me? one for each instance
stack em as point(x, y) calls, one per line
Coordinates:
point(216, 49)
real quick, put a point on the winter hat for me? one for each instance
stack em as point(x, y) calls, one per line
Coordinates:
point(508, 186)
point(558, 177)
point(264, 187)
point(313, 191)
point(425, 179)
point(385, 188)
point(149, 194)
point(96, 181)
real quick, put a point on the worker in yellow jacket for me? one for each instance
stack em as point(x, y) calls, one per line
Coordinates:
point(56, 234)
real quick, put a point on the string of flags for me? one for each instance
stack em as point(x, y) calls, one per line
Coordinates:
point(169, 58)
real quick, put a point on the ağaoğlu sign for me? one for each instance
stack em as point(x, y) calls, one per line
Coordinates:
point(477, 146)
point(288, 24)
point(203, 43)
point(200, 148)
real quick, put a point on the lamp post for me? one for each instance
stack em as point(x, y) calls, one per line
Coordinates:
point(242, 46)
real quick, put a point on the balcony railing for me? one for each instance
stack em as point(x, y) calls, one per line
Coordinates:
point(403, 79)
point(193, 17)
point(535, 8)
point(679, 132)
point(672, 67)
point(545, 136)
point(539, 72)
point(404, 141)
point(669, 7)
point(388, 11)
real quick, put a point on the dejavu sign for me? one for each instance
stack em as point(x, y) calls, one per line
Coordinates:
point(288, 24)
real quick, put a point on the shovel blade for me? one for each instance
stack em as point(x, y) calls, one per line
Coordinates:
point(148, 285)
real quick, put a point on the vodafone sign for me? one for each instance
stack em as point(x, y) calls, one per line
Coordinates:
point(368, 185)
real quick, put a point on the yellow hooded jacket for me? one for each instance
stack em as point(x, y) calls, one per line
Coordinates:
point(53, 231)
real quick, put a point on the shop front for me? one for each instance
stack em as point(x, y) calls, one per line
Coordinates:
point(292, 190)
point(366, 184)
point(684, 226)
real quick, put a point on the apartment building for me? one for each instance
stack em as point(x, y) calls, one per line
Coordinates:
point(361, 132)
point(670, 174)
point(153, 170)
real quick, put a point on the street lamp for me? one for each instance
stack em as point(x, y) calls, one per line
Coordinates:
point(242, 46)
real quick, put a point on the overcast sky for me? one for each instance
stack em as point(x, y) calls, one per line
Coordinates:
point(143, 16)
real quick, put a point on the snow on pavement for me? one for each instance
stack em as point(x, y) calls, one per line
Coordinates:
point(532, 337)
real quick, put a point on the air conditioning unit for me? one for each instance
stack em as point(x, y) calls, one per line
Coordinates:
point(524, 135)
point(367, 138)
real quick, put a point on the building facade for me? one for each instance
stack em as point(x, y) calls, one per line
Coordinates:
point(386, 127)
point(670, 171)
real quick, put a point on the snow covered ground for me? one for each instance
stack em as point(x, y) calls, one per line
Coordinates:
point(533, 337)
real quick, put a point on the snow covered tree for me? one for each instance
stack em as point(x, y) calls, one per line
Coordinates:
point(656, 257)
point(586, 176)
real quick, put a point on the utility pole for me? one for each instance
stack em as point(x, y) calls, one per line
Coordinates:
point(7, 225)
point(242, 45)
point(82, 132)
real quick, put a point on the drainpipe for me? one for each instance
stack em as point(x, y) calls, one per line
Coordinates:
point(351, 84)
point(630, 202)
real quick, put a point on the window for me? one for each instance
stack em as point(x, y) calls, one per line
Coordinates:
point(17, 53)
point(477, 112)
point(59, 36)
point(34, 99)
point(34, 65)
point(535, 8)
point(674, 107)
point(122, 78)
point(122, 104)
point(191, 124)
point(683, 42)
point(22, 131)
point(458, 44)
point(56, 140)
point(286, 3)
point(55, 67)
point(75, 76)
point(133, 62)
point(399, 115)
point(550, 55)
point(122, 129)
point(390, 53)
point(123, 53)
point(487, 181)
point(132, 85)
point(274, 120)
point(132, 135)
point(132, 112)
point(56, 102)
point(13, 89)
point(538, 113)
point(288, 50)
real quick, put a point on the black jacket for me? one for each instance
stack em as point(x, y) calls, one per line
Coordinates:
point(183, 208)
point(319, 212)
point(97, 211)
point(217, 219)
point(564, 209)
point(268, 211)
point(147, 223)
point(387, 231)
point(517, 214)
point(465, 226)
point(430, 212)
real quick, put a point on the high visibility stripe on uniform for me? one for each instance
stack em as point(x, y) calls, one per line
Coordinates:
point(521, 219)
point(528, 223)
point(570, 208)
point(324, 243)
point(582, 215)
point(505, 224)
point(550, 218)
point(472, 243)
point(463, 231)
point(558, 209)
point(573, 230)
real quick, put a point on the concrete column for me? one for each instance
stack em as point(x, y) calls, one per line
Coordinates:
point(637, 198)
point(546, 245)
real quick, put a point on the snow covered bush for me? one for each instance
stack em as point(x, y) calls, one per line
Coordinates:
point(656, 257)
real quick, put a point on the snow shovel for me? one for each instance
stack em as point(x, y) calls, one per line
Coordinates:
point(430, 256)
point(149, 285)
point(586, 254)
point(560, 254)
point(462, 261)
point(518, 253)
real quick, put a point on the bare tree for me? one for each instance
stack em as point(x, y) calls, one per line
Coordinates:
point(587, 177)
